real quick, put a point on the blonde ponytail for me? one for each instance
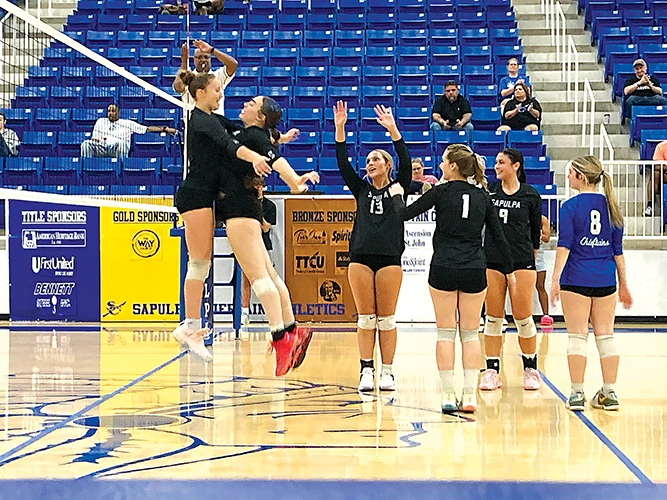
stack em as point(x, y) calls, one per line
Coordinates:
point(614, 210)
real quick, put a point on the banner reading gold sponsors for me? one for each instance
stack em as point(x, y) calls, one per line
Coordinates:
point(139, 265)
point(317, 238)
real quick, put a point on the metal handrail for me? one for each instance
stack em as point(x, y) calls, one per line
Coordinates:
point(588, 94)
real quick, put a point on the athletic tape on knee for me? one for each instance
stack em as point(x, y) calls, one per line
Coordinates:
point(386, 323)
point(607, 346)
point(493, 327)
point(526, 327)
point(263, 286)
point(447, 334)
point(198, 269)
point(280, 284)
point(577, 344)
point(468, 336)
point(367, 321)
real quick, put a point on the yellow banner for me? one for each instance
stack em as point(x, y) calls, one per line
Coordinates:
point(139, 265)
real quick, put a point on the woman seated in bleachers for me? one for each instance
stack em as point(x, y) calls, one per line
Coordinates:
point(522, 112)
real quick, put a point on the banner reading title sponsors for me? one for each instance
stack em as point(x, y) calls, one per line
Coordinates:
point(54, 269)
point(140, 273)
point(317, 238)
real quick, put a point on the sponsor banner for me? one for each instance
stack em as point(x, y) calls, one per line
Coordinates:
point(139, 266)
point(55, 266)
point(418, 237)
point(317, 238)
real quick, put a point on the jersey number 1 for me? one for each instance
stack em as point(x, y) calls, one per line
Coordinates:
point(466, 205)
point(596, 224)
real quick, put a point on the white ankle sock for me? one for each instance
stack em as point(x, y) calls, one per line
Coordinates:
point(245, 310)
point(193, 324)
point(447, 380)
point(387, 368)
point(470, 379)
point(607, 388)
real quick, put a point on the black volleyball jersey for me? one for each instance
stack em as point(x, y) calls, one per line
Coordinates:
point(211, 152)
point(462, 211)
point(520, 217)
point(378, 229)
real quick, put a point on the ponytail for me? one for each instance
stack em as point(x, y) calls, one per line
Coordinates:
point(195, 82)
point(480, 166)
point(614, 210)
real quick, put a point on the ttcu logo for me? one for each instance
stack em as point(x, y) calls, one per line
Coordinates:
point(113, 309)
point(315, 261)
point(145, 243)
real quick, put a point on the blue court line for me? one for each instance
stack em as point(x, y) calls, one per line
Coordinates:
point(601, 436)
point(83, 411)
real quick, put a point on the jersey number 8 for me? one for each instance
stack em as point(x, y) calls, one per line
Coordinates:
point(596, 224)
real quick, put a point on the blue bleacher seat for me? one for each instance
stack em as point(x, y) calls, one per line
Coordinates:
point(19, 119)
point(256, 39)
point(37, 144)
point(153, 56)
point(140, 171)
point(229, 23)
point(235, 97)
point(202, 23)
point(384, 95)
point(529, 142)
point(132, 39)
point(76, 76)
point(306, 120)
point(139, 23)
point(100, 97)
point(83, 120)
point(318, 39)
point(649, 139)
point(647, 118)
point(51, 119)
point(380, 38)
point(413, 38)
point(619, 53)
point(442, 74)
point(90, 7)
point(129, 190)
point(119, 7)
point(478, 75)
point(445, 55)
point(77, 22)
point(307, 144)
point(309, 97)
point(162, 117)
point(31, 97)
point(419, 142)
point(277, 76)
point(321, 22)
point(316, 56)
point(486, 118)
point(25, 170)
point(57, 57)
point(379, 75)
point(444, 138)
point(171, 173)
point(311, 76)
point(348, 21)
point(66, 97)
point(162, 39)
point(352, 124)
point(412, 75)
point(43, 77)
point(328, 142)
point(100, 39)
point(123, 57)
point(368, 120)
point(417, 21)
point(288, 39)
point(349, 38)
point(100, 171)
point(111, 22)
point(345, 76)
point(61, 171)
point(368, 141)
point(413, 56)
point(413, 118)
point(476, 55)
point(349, 56)
point(488, 142)
point(69, 143)
point(415, 96)
point(261, 22)
point(224, 39)
point(252, 57)
point(482, 95)
point(282, 95)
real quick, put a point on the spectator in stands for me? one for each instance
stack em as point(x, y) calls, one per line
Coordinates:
point(418, 173)
point(641, 89)
point(654, 188)
point(522, 112)
point(507, 83)
point(203, 54)
point(208, 7)
point(451, 110)
point(112, 136)
point(9, 136)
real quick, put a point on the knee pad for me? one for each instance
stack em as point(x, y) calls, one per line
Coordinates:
point(493, 327)
point(367, 321)
point(263, 287)
point(386, 323)
point(606, 346)
point(468, 336)
point(526, 327)
point(280, 284)
point(447, 334)
point(198, 269)
point(577, 344)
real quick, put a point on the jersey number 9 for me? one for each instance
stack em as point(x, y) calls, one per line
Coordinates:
point(503, 213)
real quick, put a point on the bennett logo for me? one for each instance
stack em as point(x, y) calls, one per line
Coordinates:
point(341, 237)
point(113, 308)
point(52, 264)
point(50, 288)
point(145, 243)
point(309, 237)
point(310, 263)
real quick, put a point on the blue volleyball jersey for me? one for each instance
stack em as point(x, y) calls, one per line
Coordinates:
point(585, 230)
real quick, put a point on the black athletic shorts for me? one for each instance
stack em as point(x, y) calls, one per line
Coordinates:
point(243, 205)
point(375, 262)
point(590, 291)
point(529, 265)
point(447, 279)
point(188, 199)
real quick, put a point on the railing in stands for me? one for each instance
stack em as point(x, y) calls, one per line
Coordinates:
point(588, 95)
point(605, 141)
point(572, 53)
point(560, 30)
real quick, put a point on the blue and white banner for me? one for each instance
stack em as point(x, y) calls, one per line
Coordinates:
point(54, 252)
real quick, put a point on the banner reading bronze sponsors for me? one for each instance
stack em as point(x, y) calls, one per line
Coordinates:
point(317, 238)
point(418, 238)
point(139, 266)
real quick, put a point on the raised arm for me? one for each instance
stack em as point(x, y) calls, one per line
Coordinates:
point(386, 118)
point(349, 174)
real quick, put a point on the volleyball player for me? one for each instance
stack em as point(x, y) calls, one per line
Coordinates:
point(519, 208)
point(209, 152)
point(457, 278)
point(376, 246)
point(589, 259)
point(541, 268)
